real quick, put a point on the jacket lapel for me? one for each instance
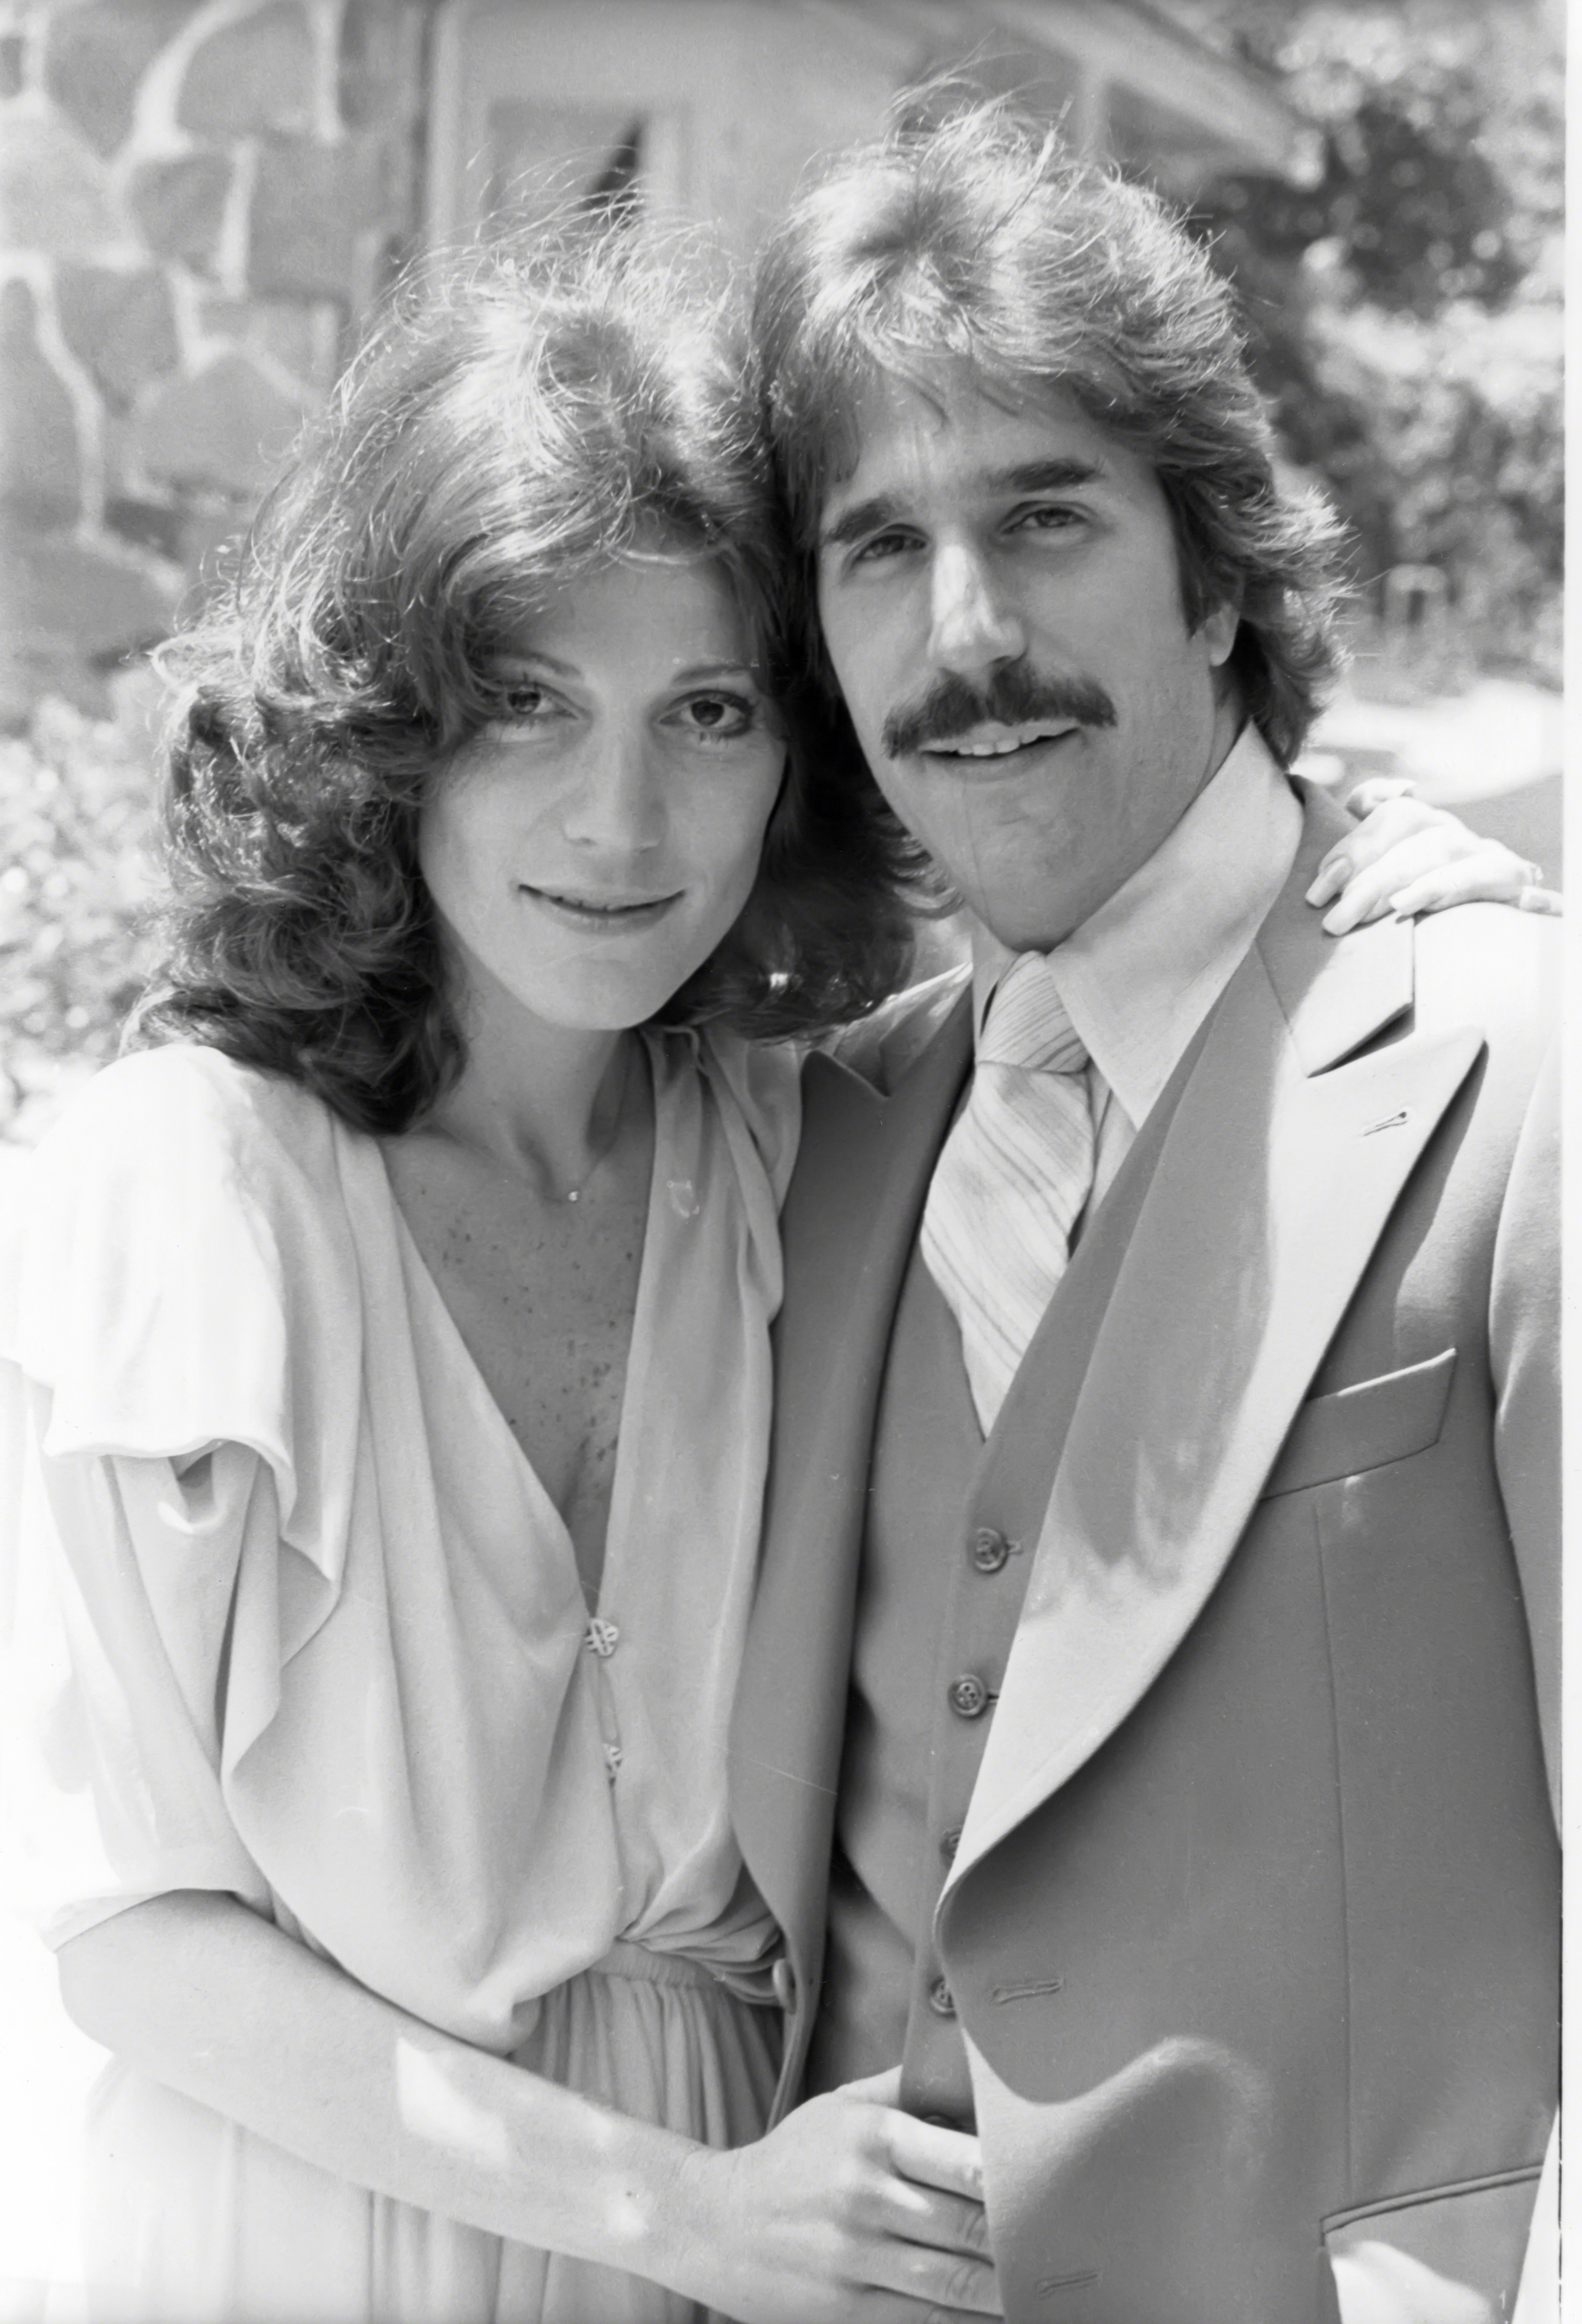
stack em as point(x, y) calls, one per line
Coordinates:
point(861, 1175)
point(1287, 1148)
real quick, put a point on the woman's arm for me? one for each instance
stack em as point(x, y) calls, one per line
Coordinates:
point(849, 2207)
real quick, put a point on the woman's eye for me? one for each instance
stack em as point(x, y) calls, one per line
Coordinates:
point(521, 703)
point(717, 717)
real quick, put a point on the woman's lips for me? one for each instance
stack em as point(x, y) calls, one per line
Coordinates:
point(604, 914)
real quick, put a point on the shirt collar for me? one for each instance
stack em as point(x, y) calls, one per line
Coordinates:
point(1140, 974)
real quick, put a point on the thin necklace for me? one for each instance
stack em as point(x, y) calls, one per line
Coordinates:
point(574, 1193)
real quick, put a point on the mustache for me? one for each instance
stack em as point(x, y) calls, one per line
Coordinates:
point(1014, 697)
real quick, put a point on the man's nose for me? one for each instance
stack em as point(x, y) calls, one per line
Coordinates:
point(618, 802)
point(975, 622)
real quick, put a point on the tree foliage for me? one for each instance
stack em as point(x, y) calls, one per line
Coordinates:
point(1405, 300)
point(76, 830)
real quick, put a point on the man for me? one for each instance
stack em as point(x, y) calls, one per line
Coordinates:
point(1161, 1558)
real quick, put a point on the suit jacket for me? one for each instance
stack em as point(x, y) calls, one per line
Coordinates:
point(1253, 1928)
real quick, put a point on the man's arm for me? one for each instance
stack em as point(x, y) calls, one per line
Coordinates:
point(1525, 1337)
point(1374, 2283)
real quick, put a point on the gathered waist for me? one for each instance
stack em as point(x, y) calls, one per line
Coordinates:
point(650, 1968)
point(754, 1983)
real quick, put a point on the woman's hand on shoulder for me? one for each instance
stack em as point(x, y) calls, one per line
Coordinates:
point(1406, 857)
point(847, 2212)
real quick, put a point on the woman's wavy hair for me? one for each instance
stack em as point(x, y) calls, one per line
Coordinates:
point(515, 420)
point(969, 234)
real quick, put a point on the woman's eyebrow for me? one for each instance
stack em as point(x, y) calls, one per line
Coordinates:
point(513, 655)
point(698, 671)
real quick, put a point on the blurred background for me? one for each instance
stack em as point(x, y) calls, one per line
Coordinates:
point(200, 200)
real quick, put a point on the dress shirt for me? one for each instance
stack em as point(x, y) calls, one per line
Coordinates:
point(1140, 974)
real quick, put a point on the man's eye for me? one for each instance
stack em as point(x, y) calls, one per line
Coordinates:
point(881, 546)
point(1046, 517)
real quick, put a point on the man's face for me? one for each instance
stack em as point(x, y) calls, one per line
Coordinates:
point(1000, 594)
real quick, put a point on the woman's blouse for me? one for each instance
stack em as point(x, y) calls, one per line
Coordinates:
point(292, 1616)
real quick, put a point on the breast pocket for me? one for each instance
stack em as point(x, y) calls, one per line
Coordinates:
point(1362, 1427)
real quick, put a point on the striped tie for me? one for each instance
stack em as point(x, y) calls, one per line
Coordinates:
point(1012, 1180)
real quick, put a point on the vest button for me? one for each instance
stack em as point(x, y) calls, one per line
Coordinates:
point(948, 1843)
point(969, 1697)
point(988, 1550)
point(940, 1999)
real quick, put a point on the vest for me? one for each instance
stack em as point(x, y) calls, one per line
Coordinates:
point(952, 1527)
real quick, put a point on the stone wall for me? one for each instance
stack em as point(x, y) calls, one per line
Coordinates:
point(198, 201)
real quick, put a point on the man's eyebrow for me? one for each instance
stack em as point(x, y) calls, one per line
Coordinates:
point(861, 519)
point(1057, 473)
point(1052, 475)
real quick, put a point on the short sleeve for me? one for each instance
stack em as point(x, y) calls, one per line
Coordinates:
point(180, 1360)
point(123, 1575)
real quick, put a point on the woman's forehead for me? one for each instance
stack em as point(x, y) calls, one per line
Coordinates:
point(659, 595)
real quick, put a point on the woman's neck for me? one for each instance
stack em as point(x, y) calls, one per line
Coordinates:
point(547, 1102)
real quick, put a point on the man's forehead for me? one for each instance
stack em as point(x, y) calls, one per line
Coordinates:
point(950, 413)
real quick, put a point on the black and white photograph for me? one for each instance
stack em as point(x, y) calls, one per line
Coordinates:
point(782, 942)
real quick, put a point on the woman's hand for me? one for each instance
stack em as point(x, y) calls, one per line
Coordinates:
point(1406, 857)
point(849, 2212)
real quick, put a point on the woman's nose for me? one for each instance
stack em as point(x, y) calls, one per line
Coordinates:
point(975, 622)
point(618, 802)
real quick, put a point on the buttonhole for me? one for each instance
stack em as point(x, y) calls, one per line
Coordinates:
point(1077, 2277)
point(1390, 1121)
point(1028, 1988)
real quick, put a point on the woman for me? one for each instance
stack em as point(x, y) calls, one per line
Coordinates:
point(386, 1370)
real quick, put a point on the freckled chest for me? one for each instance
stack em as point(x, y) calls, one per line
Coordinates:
point(543, 1294)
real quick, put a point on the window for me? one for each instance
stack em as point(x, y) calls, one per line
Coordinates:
point(550, 108)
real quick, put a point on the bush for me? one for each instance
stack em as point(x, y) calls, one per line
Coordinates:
point(75, 829)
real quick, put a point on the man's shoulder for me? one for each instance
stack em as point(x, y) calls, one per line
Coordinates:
point(884, 1046)
point(1495, 970)
point(1490, 965)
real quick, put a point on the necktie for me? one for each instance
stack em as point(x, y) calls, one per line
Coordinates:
point(1012, 1180)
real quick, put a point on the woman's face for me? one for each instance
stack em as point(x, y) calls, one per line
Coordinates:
point(587, 853)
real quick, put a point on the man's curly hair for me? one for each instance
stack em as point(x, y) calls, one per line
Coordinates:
point(970, 235)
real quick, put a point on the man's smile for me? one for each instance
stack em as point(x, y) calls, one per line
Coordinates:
point(999, 742)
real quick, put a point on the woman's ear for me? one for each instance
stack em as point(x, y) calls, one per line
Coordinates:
point(1217, 631)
